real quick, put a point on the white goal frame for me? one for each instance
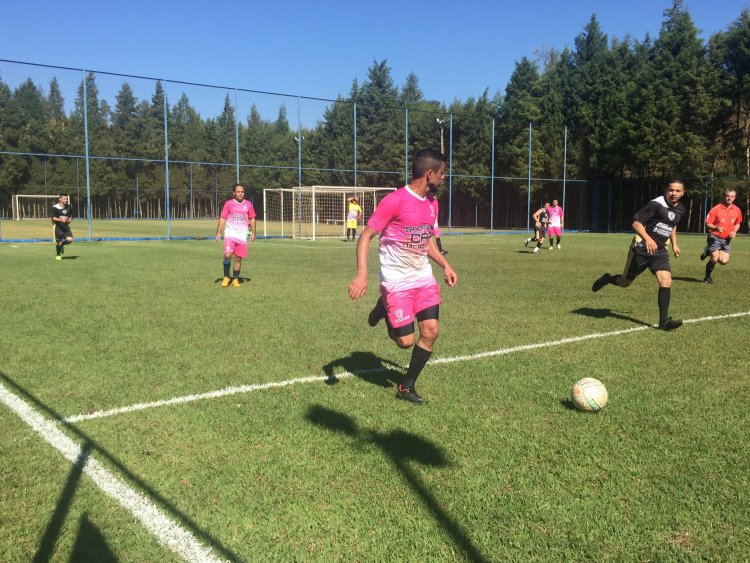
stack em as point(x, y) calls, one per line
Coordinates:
point(313, 212)
point(18, 210)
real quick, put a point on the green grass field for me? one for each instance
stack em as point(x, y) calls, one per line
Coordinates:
point(497, 467)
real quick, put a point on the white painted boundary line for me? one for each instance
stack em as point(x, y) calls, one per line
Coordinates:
point(167, 532)
point(313, 378)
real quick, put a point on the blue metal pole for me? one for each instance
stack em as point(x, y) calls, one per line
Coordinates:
point(86, 148)
point(237, 135)
point(299, 168)
point(355, 144)
point(528, 195)
point(406, 148)
point(450, 176)
point(167, 209)
point(492, 180)
point(565, 166)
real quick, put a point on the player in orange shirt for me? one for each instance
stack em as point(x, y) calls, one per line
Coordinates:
point(722, 222)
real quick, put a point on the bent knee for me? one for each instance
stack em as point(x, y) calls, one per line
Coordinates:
point(404, 341)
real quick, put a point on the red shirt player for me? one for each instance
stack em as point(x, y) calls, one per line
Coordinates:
point(722, 222)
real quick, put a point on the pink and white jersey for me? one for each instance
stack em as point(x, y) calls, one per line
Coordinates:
point(555, 216)
point(405, 222)
point(238, 215)
point(435, 228)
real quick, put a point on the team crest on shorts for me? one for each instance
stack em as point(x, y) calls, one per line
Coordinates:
point(399, 315)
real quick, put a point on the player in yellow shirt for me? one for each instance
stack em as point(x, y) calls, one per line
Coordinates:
point(353, 214)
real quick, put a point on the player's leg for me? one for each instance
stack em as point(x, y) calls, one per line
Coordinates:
point(228, 253)
point(715, 247)
point(664, 278)
point(633, 268)
point(440, 246)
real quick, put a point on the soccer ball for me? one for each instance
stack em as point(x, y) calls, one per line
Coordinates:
point(589, 395)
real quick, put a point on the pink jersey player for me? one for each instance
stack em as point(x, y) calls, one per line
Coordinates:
point(237, 220)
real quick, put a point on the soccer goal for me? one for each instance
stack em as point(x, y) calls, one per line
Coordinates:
point(34, 206)
point(316, 211)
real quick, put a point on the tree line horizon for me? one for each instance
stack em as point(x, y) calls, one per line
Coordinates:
point(619, 110)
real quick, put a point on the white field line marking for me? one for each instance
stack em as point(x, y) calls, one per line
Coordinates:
point(313, 378)
point(167, 532)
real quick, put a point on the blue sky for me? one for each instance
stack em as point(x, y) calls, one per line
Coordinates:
point(312, 48)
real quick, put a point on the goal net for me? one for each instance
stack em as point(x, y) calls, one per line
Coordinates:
point(34, 206)
point(316, 211)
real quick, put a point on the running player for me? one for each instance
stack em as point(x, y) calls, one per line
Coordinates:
point(541, 219)
point(723, 223)
point(555, 227)
point(353, 214)
point(238, 216)
point(61, 218)
point(654, 225)
point(405, 220)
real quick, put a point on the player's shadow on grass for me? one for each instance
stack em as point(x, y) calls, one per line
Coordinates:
point(607, 313)
point(686, 279)
point(86, 533)
point(74, 257)
point(403, 449)
point(366, 366)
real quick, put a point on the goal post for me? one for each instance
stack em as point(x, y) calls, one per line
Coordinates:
point(313, 212)
point(33, 206)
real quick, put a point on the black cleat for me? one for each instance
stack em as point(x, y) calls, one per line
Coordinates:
point(670, 324)
point(409, 395)
point(443, 252)
point(601, 282)
point(709, 280)
point(377, 314)
point(704, 254)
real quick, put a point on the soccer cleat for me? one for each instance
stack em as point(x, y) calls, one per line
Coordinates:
point(378, 312)
point(670, 324)
point(526, 242)
point(709, 280)
point(704, 254)
point(601, 282)
point(558, 246)
point(225, 281)
point(410, 395)
point(443, 252)
point(235, 282)
point(551, 247)
point(58, 257)
point(536, 250)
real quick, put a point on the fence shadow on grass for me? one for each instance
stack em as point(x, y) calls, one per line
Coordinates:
point(607, 313)
point(366, 366)
point(403, 449)
point(49, 540)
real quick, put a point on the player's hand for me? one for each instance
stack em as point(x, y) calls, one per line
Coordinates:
point(357, 287)
point(218, 238)
point(451, 278)
point(732, 234)
point(650, 245)
point(252, 237)
point(676, 250)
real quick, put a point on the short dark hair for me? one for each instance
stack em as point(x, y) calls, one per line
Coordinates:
point(237, 186)
point(674, 181)
point(426, 160)
point(62, 195)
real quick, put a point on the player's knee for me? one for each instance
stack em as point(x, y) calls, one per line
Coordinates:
point(623, 281)
point(723, 260)
point(405, 341)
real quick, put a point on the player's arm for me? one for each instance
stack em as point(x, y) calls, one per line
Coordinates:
point(436, 256)
point(220, 227)
point(673, 238)
point(358, 285)
point(252, 229)
point(640, 230)
point(536, 216)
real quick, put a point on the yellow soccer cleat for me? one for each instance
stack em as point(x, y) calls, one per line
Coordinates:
point(235, 282)
point(225, 282)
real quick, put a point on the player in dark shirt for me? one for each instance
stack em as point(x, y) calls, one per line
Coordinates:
point(541, 220)
point(654, 225)
point(61, 218)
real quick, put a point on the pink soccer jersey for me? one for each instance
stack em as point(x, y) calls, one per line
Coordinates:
point(555, 216)
point(238, 215)
point(405, 222)
point(435, 228)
